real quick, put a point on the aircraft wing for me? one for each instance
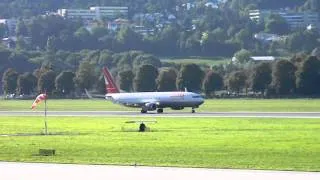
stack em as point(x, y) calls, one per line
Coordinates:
point(155, 101)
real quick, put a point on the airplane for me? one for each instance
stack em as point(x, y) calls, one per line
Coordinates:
point(151, 101)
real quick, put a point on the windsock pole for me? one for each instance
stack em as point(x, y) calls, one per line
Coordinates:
point(45, 116)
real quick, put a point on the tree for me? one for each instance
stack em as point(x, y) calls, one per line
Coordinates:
point(27, 83)
point(3, 30)
point(21, 28)
point(310, 39)
point(313, 5)
point(219, 35)
point(192, 46)
point(73, 60)
point(85, 76)
point(146, 59)
point(261, 77)
point(145, 79)
point(190, 76)
point(167, 43)
point(303, 40)
point(9, 81)
point(308, 77)
point(64, 82)
point(101, 85)
point(46, 81)
point(277, 25)
point(105, 58)
point(99, 31)
point(212, 82)
point(125, 80)
point(129, 39)
point(283, 77)
point(244, 37)
point(21, 44)
point(167, 80)
point(243, 56)
point(84, 38)
point(237, 81)
point(51, 44)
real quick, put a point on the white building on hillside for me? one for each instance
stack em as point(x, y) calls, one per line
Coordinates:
point(294, 19)
point(94, 13)
point(11, 25)
point(257, 58)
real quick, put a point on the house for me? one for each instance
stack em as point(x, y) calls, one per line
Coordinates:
point(257, 58)
point(117, 24)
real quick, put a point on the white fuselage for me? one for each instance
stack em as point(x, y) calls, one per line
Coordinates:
point(174, 100)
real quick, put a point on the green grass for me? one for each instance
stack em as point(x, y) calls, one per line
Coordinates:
point(213, 105)
point(200, 61)
point(246, 143)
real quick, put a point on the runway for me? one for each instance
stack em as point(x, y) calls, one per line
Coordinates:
point(166, 114)
point(36, 171)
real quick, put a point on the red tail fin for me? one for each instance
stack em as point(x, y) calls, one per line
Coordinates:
point(110, 85)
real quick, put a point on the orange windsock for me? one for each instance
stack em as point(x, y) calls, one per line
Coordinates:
point(39, 99)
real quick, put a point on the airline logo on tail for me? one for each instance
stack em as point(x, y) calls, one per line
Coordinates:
point(110, 84)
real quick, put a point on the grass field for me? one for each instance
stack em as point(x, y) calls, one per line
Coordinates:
point(200, 61)
point(246, 143)
point(213, 105)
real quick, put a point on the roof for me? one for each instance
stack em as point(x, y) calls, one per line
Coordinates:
point(258, 58)
point(263, 58)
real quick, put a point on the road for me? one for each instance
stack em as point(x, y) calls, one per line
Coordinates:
point(167, 114)
point(18, 171)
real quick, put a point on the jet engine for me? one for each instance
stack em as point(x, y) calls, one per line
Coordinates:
point(177, 108)
point(151, 106)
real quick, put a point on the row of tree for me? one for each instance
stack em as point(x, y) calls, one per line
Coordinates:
point(300, 76)
point(147, 78)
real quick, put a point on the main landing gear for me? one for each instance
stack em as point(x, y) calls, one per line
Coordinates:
point(193, 110)
point(158, 111)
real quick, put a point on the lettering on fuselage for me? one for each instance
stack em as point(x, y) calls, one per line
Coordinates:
point(177, 96)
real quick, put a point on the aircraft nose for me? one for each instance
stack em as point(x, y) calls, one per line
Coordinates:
point(201, 101)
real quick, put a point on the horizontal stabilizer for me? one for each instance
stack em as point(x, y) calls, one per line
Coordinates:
point(94, 96)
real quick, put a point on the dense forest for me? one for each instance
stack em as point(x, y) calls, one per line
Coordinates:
point(28, 8)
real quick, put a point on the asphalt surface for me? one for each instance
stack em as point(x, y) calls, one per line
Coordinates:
point(26, 171)
point(166, 114)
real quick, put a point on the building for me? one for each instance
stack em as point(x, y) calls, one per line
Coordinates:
point(257, 58)
point(11, 25)
point(94, 13)
point(269, 38)
point(117, 24)
point(294, 19)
